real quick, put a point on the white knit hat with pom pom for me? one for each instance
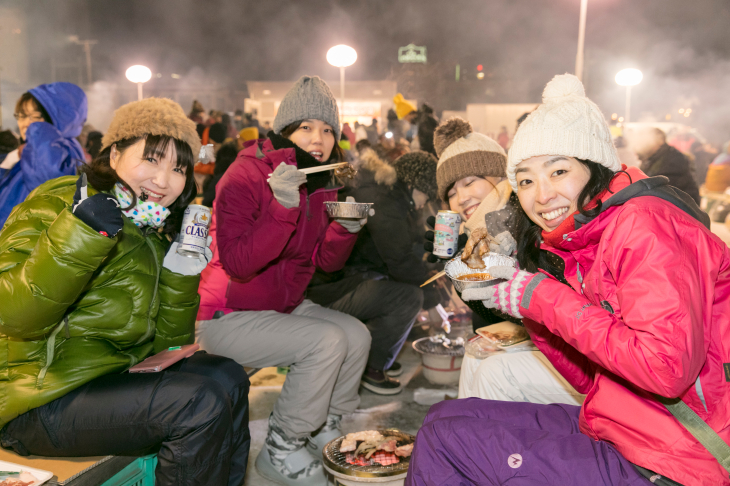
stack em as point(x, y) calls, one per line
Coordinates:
point(567, 123)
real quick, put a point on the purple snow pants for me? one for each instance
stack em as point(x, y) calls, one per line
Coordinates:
point(475, 441)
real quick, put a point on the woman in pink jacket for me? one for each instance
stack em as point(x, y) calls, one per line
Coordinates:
point(270, 229)
point(631, 306)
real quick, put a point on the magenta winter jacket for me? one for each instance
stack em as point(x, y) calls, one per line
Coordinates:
point(650, 314)
point(263, 253)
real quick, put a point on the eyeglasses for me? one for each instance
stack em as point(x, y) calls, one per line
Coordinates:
point(34, 117)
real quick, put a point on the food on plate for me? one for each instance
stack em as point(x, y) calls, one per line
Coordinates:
point(404, 450)
point(476, 247)
point(24, 478)
point(504, 334)
point(475, 277)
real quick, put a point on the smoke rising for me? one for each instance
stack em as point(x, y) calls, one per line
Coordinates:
point(681, 47)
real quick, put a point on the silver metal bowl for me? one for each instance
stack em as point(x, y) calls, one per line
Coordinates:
point(455, 268)
point(353, 210)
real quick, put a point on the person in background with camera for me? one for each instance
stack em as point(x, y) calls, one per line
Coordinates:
point(50, 117)
point(92, 284)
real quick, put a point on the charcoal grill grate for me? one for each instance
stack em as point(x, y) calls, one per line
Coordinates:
point(335, 462)
point(426, 346)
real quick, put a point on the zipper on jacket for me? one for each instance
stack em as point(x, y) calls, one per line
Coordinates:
point(154, 293)
point(50, 351)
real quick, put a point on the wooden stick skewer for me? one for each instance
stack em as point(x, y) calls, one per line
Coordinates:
point(435, 277)
point(322, 168)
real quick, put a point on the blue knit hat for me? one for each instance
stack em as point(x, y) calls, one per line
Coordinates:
point(309, 98)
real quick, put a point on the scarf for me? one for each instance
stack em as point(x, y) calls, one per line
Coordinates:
point(146, 213)
point(315, 181)
point(495, 200)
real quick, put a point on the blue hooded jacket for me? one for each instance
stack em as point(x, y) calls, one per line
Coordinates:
point(51, 150)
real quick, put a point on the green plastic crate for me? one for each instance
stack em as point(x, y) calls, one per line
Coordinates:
point(141, 472)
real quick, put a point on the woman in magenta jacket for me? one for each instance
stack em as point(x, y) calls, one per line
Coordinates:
point(631, 306)
point(270, 229)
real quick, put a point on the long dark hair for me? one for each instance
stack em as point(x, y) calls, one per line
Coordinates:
point(337, 155)
point(528, 245)
point(102, 177)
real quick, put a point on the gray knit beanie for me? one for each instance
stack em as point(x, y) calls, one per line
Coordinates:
point(309, 98)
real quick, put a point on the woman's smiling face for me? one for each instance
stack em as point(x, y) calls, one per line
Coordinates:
point(467, 194)
point(157, 175)
point(548, 187)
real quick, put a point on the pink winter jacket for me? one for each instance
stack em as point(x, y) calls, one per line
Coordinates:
point(650, 314)
point(264, 254)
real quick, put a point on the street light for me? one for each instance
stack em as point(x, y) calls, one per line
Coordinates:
point(581, 40)
point(342, 56)
point(628, 77)
point(139, 74)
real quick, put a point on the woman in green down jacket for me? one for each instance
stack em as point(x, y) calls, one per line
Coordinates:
point(90, 285)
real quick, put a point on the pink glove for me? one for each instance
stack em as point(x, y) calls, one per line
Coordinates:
point(506, 296)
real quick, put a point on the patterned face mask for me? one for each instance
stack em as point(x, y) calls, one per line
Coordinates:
point(144, 213)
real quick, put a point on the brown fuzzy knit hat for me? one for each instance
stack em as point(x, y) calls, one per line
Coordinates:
point(152, 116)
point(463, 153)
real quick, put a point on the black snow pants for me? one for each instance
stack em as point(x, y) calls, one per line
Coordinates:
point(194, 414)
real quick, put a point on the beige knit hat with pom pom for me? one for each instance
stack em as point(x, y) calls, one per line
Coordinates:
point(463, 153)
point(152, 116)
point(567, 123)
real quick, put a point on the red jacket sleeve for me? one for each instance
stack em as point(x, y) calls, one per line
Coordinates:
point(334, 250)
point(252, 227)
point(652, 263)
point(574, 367)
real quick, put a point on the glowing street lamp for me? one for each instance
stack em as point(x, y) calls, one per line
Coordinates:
point(140, 75)
point(579, 57)
point(342, 56)
point(628, 78)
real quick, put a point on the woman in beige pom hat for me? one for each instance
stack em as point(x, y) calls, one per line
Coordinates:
point(629, 308)
point(91, 284)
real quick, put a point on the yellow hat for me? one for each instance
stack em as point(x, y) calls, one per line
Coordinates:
point(250, 133)
point(402, 106)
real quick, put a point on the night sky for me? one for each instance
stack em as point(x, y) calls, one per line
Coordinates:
point(682, 47)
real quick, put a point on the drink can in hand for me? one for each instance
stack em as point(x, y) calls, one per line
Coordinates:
point(446, 234)
point(194, 233)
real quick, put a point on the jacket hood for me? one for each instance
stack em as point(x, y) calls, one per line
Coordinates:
point(66, 105)
point(383, 172)
point(624, 189)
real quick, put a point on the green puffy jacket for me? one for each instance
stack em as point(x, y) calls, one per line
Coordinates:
point(76, 305)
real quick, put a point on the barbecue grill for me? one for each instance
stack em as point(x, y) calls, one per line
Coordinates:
point(346, 473)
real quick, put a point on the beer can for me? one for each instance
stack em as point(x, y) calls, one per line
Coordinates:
point(194, 233)
point(446, 234)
